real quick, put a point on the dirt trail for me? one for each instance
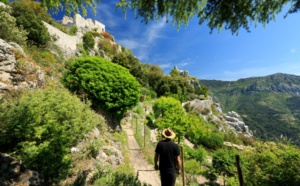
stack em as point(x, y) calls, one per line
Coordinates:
point(146, 172)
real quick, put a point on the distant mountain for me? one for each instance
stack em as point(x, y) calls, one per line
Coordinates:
point(269, 105)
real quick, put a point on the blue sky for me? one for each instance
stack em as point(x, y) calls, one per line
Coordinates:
point(219, 56)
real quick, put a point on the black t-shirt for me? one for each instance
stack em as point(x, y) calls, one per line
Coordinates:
point(168, 152)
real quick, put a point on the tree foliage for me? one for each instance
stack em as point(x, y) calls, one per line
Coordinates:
point(40, 128)
point(88, 40)
point(174, 72)
point(127, 60)
point(9, 30)
point(4, 1)
point(169, 113)
point(272, 164)
point(223, 162)
point(73, 6)
point(203, 133)
point(110, 48)
point(217, 14)
point(108, 85)
point(176, 86)
point(38, 10)
point(37, 32)
point(152, 75)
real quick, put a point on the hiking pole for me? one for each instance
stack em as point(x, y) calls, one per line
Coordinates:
point(182, 166)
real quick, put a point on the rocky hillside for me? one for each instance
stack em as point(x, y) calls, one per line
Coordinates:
point(269, 105)
point(212, 112)
point(15, 74)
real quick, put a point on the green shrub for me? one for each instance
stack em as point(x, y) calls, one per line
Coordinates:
point(246, 140)
point(37, 32)
point(231, 136)
point(9, 30)
point(59, 26)
point(94, 148)
point(212, 141)
point(73, 30)
point(109, 48)
point(199, 153)
point(96, 34)
point(223, 162)
point(187, 107)
point(206, 111)
point(125, 179)
point(40, 128)
point(192, 168)
point(88, 40)
point(4, 1)
point(108, 85)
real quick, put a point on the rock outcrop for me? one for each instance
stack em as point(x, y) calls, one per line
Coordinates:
point(13, 172)
point(17, 74)
point(183, 73)
point(235, 120)
point(211, 111)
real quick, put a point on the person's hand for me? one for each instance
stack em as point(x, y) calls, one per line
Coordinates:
point(156, 167)
point(178, 171)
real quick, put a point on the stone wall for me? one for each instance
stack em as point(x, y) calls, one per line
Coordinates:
point(67, 43)
point(83, 25)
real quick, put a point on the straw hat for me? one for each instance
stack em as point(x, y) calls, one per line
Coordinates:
point(168, 133)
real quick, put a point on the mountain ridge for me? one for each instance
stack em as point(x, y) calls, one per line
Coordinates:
point(269, 105)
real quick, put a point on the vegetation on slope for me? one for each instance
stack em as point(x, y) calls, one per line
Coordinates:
point(108, 85)
point(268, 105)
point(39, 127)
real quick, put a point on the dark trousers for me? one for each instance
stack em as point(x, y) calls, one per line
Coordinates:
point(168, 178)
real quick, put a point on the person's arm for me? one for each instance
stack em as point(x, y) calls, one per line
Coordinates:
point(156, 161)
point(178, 163)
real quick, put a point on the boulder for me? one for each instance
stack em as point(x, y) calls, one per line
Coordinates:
point(13, 173)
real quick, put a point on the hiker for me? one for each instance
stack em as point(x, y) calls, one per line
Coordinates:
point(167, 152)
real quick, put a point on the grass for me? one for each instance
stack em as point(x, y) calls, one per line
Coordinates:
point(126, 166)
point(143, 139)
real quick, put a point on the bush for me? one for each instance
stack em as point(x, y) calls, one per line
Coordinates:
point(88, 40)
point(9, 30)
point(73, 30)
point(40, 128)
point(37, 32)
point(108, 85)
point(212, 141)
point(4, 1)
point(107, 36)
point(199, 154)
point(109, 48)
point(125, 179)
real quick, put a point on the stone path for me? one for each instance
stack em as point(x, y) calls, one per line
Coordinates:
point(146, 172)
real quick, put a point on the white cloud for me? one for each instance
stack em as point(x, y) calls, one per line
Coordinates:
point(184, 62)
point(293, 50)
point(106, 13)
point(153, 32)
point(131, 44)
point(166, 65)
point(142, 55)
